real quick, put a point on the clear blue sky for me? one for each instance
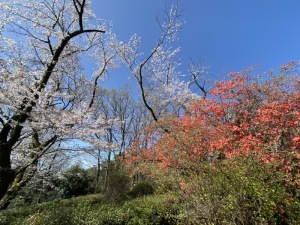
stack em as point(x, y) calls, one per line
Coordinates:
point(230, 34)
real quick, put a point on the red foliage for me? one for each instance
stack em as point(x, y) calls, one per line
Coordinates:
point(243, 116)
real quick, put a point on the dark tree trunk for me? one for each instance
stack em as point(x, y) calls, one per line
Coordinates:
point(7, 175)
point(98, 173)
point(14, 186)
point(107, 171)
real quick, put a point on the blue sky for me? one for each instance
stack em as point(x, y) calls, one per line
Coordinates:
point(230, 34)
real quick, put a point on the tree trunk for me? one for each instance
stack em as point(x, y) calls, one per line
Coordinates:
point(7, 175)
point(11, 180)
point(98, 187)
point(10, 193)
point(107, 172)
point(20, 179)
point(7, 178)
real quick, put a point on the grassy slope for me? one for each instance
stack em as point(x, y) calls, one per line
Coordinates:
point(94, 209)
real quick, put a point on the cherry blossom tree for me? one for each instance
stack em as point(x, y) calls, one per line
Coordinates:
point(44, 95)
point(48, 97)
point(162, 85)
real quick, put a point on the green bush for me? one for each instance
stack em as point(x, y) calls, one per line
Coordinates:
point(118, 186)
point(147, 210)
point(73, 210)
point(241, 191)
point(141, 189)
point(75, 182)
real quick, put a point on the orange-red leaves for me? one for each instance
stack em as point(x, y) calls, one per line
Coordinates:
point(243, 116)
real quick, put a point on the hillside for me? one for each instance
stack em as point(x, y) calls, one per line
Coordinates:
point(95, 209)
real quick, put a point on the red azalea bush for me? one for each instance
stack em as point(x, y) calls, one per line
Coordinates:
point(249, 130)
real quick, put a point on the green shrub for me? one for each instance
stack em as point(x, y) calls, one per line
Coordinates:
point(80, 211)
point(152, 210)
point(242, 191)
point(75, 182)
point(118, 186)
point(141, 189)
